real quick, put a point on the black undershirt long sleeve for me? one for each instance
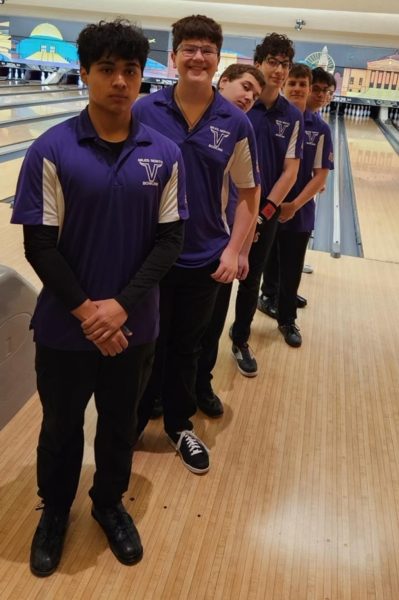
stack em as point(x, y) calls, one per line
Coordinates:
point(42, 253)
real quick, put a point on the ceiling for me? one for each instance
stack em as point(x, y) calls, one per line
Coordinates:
point(363, 22)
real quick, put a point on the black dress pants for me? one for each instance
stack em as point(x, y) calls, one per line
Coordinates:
point(187, 298)
point(210, 340)
point(248, 289)
point(66, 380)
point(283, 271)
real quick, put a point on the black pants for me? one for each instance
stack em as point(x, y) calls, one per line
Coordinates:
point(186, 304)
point(210, 340)
point(283, 271)
point(248, 290)
point(66, 380)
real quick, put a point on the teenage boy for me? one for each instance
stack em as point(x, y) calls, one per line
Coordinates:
point(318, 94)
point(242, 85)
point(279, 133)
point(298, 210)
point(102, 199)
point(322, 89)
point(217, 143)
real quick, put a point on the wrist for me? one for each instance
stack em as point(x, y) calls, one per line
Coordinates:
point(268, 209)
point(84, 310)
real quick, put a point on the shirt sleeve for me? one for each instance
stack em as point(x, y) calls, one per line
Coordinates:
point(295, 144)
point(168, 245)
point(39, 199)
point(173, 205)
point(41, 252)
point(324, 158)
point(243, 165)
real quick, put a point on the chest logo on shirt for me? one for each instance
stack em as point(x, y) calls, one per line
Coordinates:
point(151, 165)
point(312, 137)
point(282, 126)
point(218, 136)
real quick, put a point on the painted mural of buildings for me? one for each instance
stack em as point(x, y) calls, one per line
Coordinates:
point(379, 81)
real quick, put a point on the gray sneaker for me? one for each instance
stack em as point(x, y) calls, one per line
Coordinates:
point(246, 361)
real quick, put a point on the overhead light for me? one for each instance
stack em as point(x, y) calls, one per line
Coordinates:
point(299, 23)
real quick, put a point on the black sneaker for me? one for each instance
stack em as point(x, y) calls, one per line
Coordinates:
point(210, 404)
point(291, 334)
point(48, 541)
point(301, 302)
point(246, 361)
point(193, 452)
point(268, 306)
point(157, 409)
point(123, 537)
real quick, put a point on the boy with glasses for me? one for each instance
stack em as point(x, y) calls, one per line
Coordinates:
point(101, 228)
point(218, 145)
point(322, 89)
point(282, 272)
point(279, 132)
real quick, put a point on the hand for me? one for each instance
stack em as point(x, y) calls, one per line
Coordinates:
point(228, 267)
point(287, 211)
point(243, 266)
point(107, 320)
point(114, 345)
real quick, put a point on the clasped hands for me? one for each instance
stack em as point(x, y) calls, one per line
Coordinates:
point(104, 326)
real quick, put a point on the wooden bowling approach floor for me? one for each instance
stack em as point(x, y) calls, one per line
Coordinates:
point(302, 498)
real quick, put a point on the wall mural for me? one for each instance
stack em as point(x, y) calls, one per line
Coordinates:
point(363, 73)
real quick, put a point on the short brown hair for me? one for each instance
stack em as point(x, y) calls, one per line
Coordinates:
point(197, 27)
point(300, 71)
point(237, 70)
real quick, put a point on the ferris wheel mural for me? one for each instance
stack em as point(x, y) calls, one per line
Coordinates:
point(321, 59)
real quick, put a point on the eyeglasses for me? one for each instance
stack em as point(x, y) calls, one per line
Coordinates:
point(189, 50)
point(319, 90)
point(274, 63)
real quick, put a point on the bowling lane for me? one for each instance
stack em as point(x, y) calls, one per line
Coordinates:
point(34, 88)
point(375, 170)
point(42, 97)
point(14, 134)
point(9, 171)
point(43, 110)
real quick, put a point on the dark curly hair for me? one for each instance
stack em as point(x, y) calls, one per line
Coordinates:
point(197, 27)
point(118, 38)
point(272, 45)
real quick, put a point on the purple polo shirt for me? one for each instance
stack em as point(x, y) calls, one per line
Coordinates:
point(220, 146)
point(107, 213)
point(279, 135)
point(317, 154)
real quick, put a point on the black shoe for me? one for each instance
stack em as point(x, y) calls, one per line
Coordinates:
point(193, 452)
point(301, 302)
point(245, 359)
point(268, 306)
point(157, 409)
point(123, 537)
point(210, 404)
point(48, 541)
point(291, 334)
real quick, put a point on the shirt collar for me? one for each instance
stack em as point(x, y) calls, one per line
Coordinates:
point(219, 106)
point(280, 105)
point(138, 132)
